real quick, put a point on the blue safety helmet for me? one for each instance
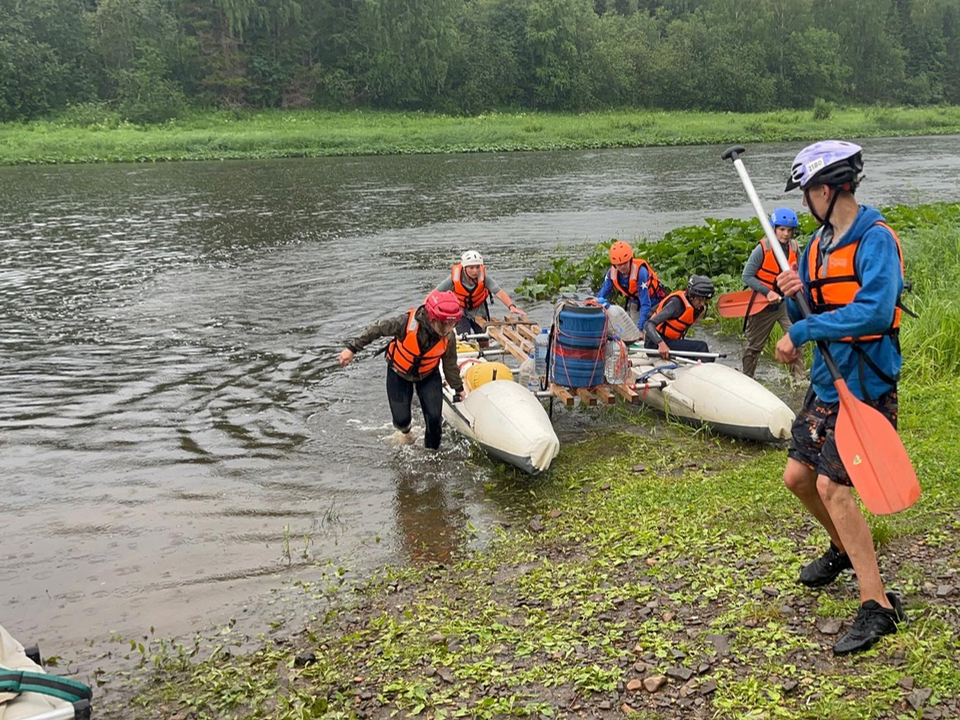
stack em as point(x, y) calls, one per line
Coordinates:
point(784, 217)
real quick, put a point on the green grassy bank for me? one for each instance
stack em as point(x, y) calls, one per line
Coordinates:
point(97, 135)
point(658, 581)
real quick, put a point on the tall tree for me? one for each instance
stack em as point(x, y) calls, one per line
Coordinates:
point(869, 44)
point(558, 35)
point(411, 44)
point(44, 58)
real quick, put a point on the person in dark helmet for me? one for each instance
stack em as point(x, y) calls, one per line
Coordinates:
point(422, 339)
point(760, 275)
point(667, 328)
point(852, 276)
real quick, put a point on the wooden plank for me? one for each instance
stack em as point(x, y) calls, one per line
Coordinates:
point(603, 392)
point(562, 394)
point(626, 392)
point(586, 396)
point(517, 339)
point(529, 331)
point(508, 344)
point(498, 321)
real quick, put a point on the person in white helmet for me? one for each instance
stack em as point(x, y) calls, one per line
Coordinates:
point(473, 287)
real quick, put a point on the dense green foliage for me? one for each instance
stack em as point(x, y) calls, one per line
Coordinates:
point(147, 58)
point(719, 249)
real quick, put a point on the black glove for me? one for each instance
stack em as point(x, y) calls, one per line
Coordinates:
point(458, 396)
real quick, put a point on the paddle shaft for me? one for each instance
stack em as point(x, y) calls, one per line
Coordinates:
point(679, 353)
point(800, 298)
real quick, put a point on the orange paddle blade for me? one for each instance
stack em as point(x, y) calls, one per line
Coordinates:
point(874, 456)
point(737, 304)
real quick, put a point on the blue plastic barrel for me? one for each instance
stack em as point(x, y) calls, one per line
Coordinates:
point(578, 342)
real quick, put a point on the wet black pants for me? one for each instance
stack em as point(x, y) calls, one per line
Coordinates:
point(682, 345)
point(430, 393)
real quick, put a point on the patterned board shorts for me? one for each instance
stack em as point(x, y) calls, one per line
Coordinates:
point(812, 440)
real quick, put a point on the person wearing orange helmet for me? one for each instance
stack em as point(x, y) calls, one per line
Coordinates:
point(421, 339)
point(473, 287)
point(635, 280)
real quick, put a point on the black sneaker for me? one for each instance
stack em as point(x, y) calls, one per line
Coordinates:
point(872, 623)
point(824, 569)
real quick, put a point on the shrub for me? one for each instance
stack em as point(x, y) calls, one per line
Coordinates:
point(92, 114)
point(146, 98)
point(822, 109)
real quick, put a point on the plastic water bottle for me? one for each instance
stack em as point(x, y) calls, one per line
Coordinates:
point(527, 375)
point(542, 343)
point(616, 367)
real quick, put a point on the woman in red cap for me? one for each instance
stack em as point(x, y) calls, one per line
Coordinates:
point(422, 339)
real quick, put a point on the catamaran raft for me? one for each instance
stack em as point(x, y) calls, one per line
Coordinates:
point(511, 424)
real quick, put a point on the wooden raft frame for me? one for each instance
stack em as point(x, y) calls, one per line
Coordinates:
point(517, 337)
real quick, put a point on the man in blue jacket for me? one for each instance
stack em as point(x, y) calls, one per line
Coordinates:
point(852, 276)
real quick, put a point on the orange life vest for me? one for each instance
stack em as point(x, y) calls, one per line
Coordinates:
point(675, 329)
point(767, 274)
point(469, 299)
point(633, 286)
point(835, 284)
point(407, 358)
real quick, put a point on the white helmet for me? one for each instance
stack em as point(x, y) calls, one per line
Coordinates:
point(471, 257)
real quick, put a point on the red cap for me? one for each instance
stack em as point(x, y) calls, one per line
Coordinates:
point(443, 306)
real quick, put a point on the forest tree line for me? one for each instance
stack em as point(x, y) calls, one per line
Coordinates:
point(150, 59)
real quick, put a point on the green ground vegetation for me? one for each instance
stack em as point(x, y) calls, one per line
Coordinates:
point(658, 580)
point(97, 134)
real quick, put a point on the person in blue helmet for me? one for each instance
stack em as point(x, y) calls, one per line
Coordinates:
point(852, 276)
point(760, 275)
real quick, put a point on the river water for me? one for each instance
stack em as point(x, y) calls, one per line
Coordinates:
point(176, 437)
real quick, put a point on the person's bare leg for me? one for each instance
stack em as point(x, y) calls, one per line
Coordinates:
point(855, 535)
point(802, 482)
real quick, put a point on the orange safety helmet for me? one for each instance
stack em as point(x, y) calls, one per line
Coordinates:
point(620, 252)
point(443, 306)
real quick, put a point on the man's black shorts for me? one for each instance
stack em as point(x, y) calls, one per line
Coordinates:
point(812, 440)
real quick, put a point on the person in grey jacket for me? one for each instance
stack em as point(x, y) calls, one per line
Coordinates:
point(760, 275)
point(469, 281)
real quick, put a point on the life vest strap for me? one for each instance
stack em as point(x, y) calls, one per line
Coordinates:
point(820, 282)
point(864, 359)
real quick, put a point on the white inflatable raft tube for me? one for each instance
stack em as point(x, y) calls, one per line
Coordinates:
point(506, 420)
point(716, 395)
point(18, 672)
